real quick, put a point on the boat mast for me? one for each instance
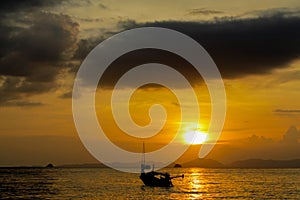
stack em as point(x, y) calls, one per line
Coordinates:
point(143, 164)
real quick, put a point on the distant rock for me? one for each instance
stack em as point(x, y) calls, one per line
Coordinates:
point(50, 165)
point(177, 165)
point(203, 163)
point(260, 163)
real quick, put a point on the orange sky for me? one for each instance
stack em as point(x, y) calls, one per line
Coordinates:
point(36, 123)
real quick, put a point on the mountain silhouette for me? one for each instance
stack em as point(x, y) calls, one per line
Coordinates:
point(260, 163)
point(205, 163)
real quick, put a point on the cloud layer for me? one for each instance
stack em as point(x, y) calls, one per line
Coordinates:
point(242, 46)
point(37, 46)
point(261, 147)
point(33, 52)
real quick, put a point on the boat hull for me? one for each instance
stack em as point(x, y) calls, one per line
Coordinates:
point(149, 179)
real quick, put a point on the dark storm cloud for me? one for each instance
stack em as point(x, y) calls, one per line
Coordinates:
point(13, 88)
point(14, 5)
point(84, 46)
point(32, 55)
point(127, 61)
point(242, 47)
point(36, 46)
point(49, 39)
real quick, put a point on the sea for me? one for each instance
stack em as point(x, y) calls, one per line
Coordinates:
point(106, 183)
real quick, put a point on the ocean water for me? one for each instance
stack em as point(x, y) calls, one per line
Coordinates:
point(104, 183)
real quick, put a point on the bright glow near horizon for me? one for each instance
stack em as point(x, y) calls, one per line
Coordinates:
point(195, 137)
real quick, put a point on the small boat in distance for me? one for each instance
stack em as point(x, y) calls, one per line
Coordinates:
point(153, 178)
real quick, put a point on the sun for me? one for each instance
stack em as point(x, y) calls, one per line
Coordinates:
point(195, 137)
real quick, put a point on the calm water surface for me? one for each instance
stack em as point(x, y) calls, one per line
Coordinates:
point(99, 183)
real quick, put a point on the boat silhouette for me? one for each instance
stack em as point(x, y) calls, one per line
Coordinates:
point(153, 178)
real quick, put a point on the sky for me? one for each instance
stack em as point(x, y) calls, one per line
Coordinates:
point(255, 45)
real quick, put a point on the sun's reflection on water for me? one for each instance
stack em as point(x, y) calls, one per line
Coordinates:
point(194, 185)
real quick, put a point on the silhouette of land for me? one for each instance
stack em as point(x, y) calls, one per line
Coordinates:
point(205, 163)
point(259, 163)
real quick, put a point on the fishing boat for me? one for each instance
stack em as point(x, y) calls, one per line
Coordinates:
point(153, 178)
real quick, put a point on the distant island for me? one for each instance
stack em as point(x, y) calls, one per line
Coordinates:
point(177, 165)
point(50, 165)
